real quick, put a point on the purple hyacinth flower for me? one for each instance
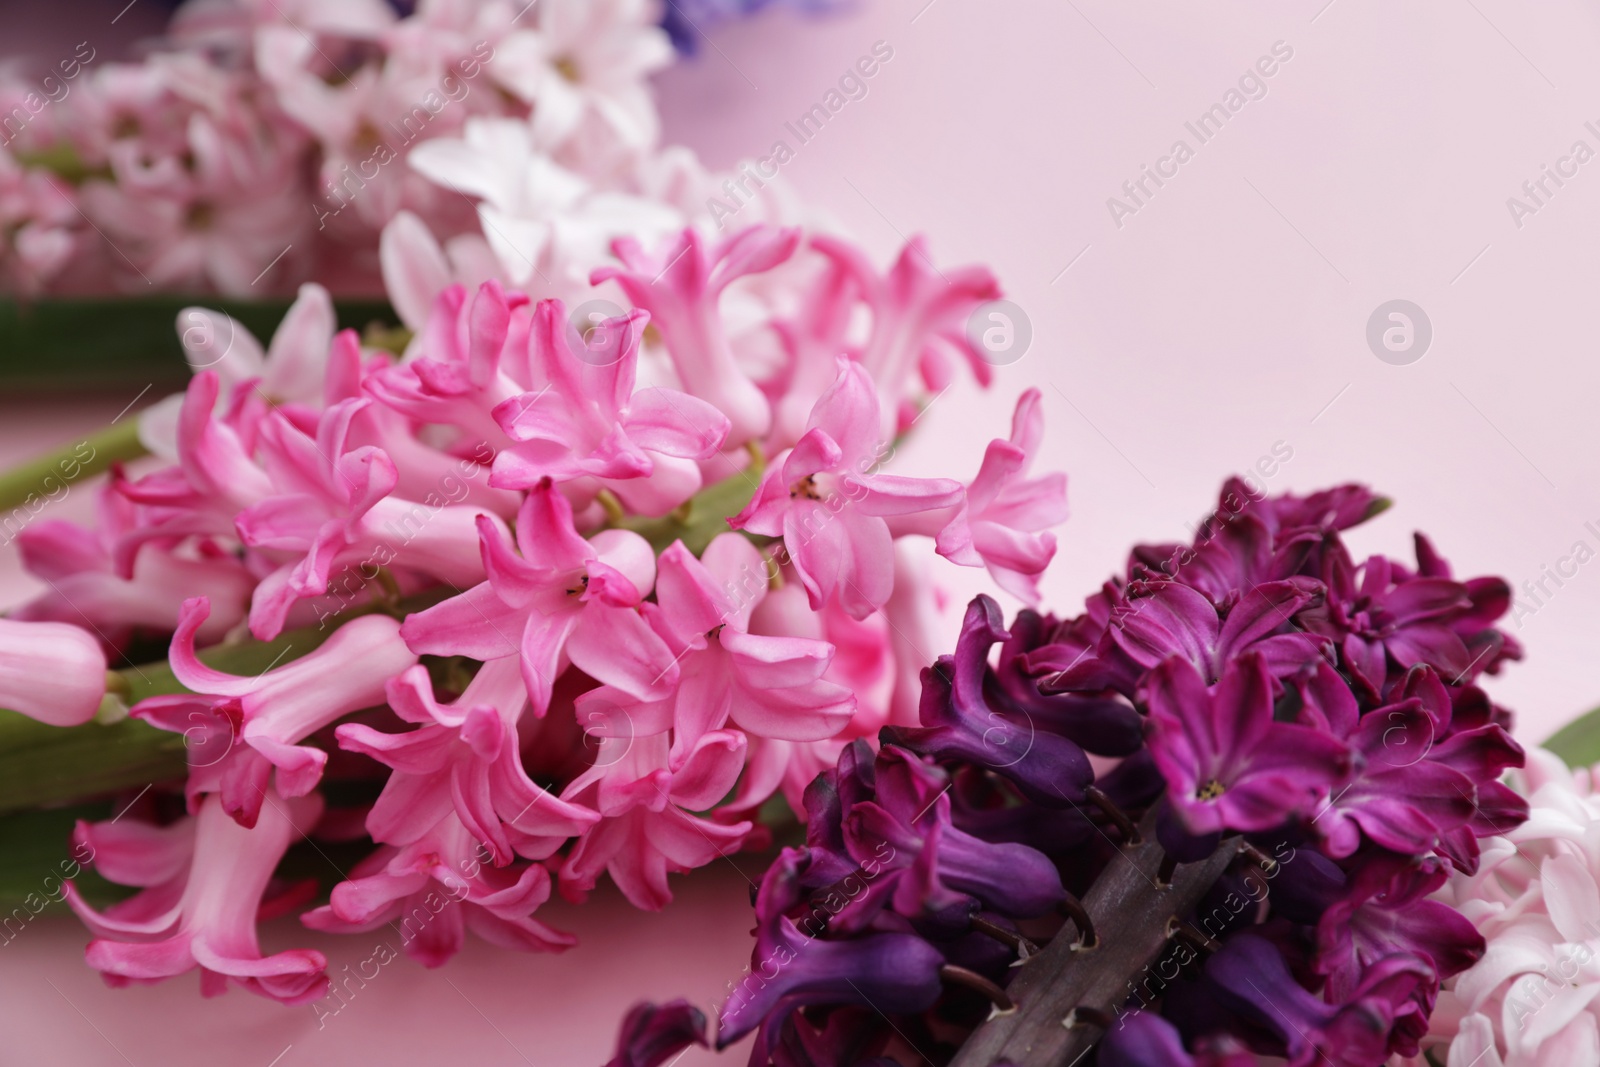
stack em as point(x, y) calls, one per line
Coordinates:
point(1145, 1039)
point(1380, 612)
point(842, 1035)
point(827, 798)
point(1227, 764)
point(1103, 723)
point(1386, 910)
point(1401, 798)
point(1174, 619)
point(1325, 512)
point(942, 870)
point(959, 724)
point(651, 1034)
point(1487, 647)
point(1250, 975)
point(895, 973)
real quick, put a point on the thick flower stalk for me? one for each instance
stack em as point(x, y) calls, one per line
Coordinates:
point(540, 602)
point(1224, 799)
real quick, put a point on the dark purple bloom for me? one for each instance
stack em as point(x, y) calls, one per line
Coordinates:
point(1254, 683)
point(1487, 647)
point(1401, 797)
point(1103, 723)
point(1385, 910)
point(1252, 980)
point(893, 972)
point(958, 723)
point(1326, 512)
point(1144, 1039)
point(1251, 539)
point(1151, 621)
point(652, 1034)
point(938, 869)
point(1227, 764)
point(1380, 612)
point(1174, 619)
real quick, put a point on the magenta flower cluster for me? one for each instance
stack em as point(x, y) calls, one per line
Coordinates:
point(1260, 683)
point(537, 622)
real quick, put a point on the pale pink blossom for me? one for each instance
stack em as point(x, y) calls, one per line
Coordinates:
point(646, 829)
point(51, 671)
point(588, 421)
point(1003, 522)
point(432, 891)
point(333, 506)
point(680, 287)
point(292, 368)
point(463, 759)
point(1534, 998)
point(562, 599)
point(86, 587)
point(919, 313)
point(203, 882)
point(244, 730)
point(766, 685)
point(863, 664)
point(827, 500)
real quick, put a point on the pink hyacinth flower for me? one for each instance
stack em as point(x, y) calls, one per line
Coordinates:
point(241, 729)
point(862, 663)
point(1003, 523)
point(769, 686)
point(51, 671)
point(680, 288)
point(332, 507)
point(464, 759)
point(826, 500)
point(434, 890)
point(216, 476)
point(646, 830)
point(562, 599)
point(467, 358)
point(586, 420)
point(86, 588)
point(918, 310)
point(203, 881)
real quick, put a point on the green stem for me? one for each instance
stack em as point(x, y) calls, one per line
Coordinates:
point(47, 478)
point(46, 766)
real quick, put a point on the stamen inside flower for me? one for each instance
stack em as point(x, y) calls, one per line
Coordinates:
point(1212, 790)
point(806, 487)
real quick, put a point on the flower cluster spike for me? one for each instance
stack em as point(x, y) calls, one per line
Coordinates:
point(1260, 701)
point(1535, 898)
point(543, 610)
point(255, 146)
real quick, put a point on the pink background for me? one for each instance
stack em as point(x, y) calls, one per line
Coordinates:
point(1225, 317)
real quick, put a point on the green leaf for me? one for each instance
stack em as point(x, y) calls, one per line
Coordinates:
point(1578, 743)
point(130, 342)
point(702, 518)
